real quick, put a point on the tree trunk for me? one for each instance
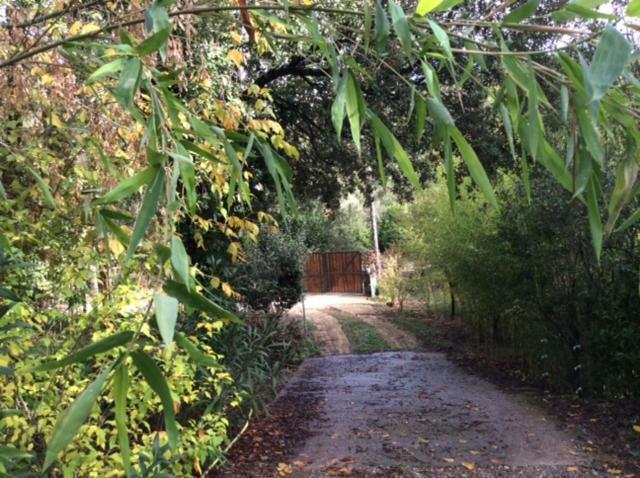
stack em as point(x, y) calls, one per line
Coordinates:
point(374, 233)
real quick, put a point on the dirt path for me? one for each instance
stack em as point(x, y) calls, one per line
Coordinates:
point(409, 414)
point(322, 312)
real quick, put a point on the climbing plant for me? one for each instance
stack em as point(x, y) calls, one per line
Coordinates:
point(123, 119)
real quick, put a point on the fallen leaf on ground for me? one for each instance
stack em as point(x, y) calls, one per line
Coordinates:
point(469, 466)
point(284, 469)
point(636, 428)
point(449, 460)
point(572, 469)
point(474, 452)
point(423, 440)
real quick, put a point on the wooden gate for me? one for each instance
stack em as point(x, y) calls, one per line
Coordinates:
point(334, 272)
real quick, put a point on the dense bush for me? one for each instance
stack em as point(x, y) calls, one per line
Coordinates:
point(530, 286)
point(345, 229)
point(271, 274)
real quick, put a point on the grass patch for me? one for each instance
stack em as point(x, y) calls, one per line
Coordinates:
point(430, 335)
point(364, 338)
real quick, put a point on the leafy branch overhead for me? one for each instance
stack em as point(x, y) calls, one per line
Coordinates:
point(193, 140)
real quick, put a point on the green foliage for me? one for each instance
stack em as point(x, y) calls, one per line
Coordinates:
point(258, 354)
point(345, 229)
point(271, 274)
point(105, 100)
point(529, 286)
point(363, 338)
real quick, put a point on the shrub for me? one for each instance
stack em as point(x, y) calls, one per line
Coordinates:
point(273, 270)
point(529, 285)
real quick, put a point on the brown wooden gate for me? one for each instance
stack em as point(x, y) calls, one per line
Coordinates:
point(334, 272)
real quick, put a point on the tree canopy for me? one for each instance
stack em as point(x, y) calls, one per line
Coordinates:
point(122, 121)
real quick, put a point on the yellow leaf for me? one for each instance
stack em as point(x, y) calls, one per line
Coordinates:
point(236, 38)
point(75, 28)
point(425, 6)
point(474, 452)
point(636, 428)
point(572, 469)
point(236, 56)
point(56, 121)
point(115, 246)
point(284, 469)
point(226, 288)
point(215, 282)
point(89, 28)
point(469, 466)
point(423, 440)
point(449, 460)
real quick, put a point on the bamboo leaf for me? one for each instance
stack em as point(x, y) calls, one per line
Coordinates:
point(154, 42)
point(564, 101)
point(197, 301)
point(401, 27)
point(590, 136)
point(187, 174)
point(194, 353)
point(595, 222)
point(439, 112)
point(474, 165)
point(626, 177)
point(426, 6)
point(508, 128)
point(584, 169)
point(72, 419)
point(128, 186)
point(157, 19)
point(108, 69)
point(395, 150)
point(353, 109)
point(44, 187)
point(156, 380)
point(630, 221)
point(633, 9)
point(443, 38)
point(383, 176)
point(129, 82)
point(421, 116)
point(99, 347)
point(180, 260)
point(450, 171)
point(117, 231)
point(147, 211)
point(120, 389)
point(166, 309)
point(382, 28)
point(339, 104)
point(522, 12)
point(609, 61)
point(368, 22)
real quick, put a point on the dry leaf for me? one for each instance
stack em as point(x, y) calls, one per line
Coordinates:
point(423, 440)
point(572, 469)
point(284, 469)
point(469, 466)
point(449, 460)
point(636, 428)
point(474, 452)
point(236, 56)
